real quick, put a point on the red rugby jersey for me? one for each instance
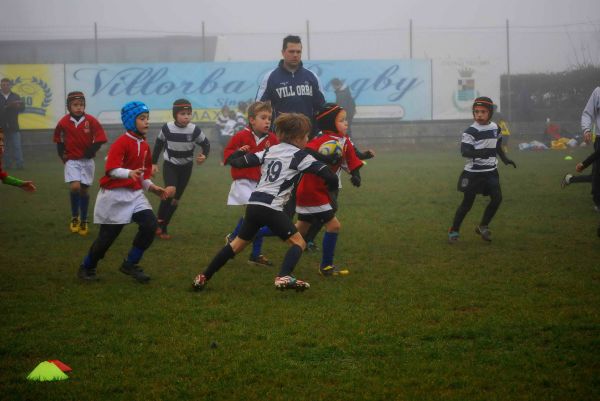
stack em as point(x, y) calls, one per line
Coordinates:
point(129, 151)
point(78, 137)
point(312, 190)
point(247, 137)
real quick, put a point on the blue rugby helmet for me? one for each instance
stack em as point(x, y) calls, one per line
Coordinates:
point(129, 113)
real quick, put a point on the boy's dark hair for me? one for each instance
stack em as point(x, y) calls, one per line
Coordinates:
point(290, 126)
point(257, 107)
point(290, 39)
point(5, 80)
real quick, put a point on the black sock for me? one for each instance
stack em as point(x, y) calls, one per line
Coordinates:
point(313, 231)
point(462, 210)
point(169, 214)
point(162, 209)
point(290, 260)
point(219, 261)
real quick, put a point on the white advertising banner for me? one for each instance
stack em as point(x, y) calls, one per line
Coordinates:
point(458, 81)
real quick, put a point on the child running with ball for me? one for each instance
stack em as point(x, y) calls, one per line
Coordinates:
point(281, 166)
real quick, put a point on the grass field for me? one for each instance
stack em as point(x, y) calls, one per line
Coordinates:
point(417, 318)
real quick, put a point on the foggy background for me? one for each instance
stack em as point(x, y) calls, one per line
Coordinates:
point(545, 36)
point(495, 38)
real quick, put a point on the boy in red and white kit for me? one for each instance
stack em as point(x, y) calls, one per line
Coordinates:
point(121, 199)
point(313, 200)
point(78, 136)
point(256, 137)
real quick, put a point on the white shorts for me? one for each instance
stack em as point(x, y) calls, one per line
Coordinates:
point(81, 170)
point(116, 206)
point(240, 192)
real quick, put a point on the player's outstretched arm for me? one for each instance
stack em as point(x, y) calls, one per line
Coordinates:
point(355, 177)
point(503, 156)
point(331, 179)
point(248, 160)
point(162, 193)
point(589, 160)
point(327, 159)
point(366, 155)
point(15, 182)
point(28, 186)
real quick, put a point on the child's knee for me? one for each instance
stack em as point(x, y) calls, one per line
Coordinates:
point(148, 224)
point(238, 245)
point(75, 186)
point(333, 225)
point(496, 199)
point(298, 240)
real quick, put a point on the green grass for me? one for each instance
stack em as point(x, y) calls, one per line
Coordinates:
point(417, 318)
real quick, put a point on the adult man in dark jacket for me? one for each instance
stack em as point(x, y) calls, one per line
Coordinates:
point(10, 107)
point(290, 87)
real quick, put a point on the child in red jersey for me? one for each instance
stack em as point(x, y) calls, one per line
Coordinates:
point(252, 139)
point(121, 199)
point(281, 165)
point(7, 179)
point(313, 200)
point(78, 136)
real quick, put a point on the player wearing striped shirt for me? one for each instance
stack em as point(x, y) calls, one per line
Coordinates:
point(178, 138)
point(281, 167)
point(481, 144)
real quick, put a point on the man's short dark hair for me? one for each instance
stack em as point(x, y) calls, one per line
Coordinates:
point(5, 80)
point(290, 39)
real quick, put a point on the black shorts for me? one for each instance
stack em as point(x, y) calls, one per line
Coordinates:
point(321, 217)
point(482, 183)
point(177, 176)
point(258, 216)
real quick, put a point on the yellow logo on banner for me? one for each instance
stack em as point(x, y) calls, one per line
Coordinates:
point(36, 84)
point(35, 93)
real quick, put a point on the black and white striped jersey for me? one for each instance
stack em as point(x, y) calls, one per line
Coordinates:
point(281, 168)
point(482, 137)
point(179, 143)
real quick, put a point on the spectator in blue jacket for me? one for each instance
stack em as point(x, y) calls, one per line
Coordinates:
point(290, 87)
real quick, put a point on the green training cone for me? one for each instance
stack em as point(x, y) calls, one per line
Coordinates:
point(568, 158)
point(47, 371)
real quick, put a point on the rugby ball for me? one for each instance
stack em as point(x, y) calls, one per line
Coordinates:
point(330, 148)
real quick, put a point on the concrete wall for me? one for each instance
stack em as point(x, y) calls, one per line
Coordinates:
point(377, 134)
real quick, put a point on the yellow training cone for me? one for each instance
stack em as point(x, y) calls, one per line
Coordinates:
point(568, 158)
point(47, 371)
